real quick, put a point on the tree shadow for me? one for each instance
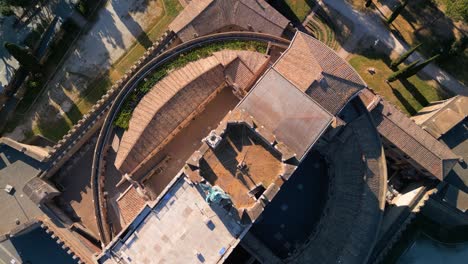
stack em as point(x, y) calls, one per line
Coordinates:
point(282, 7)
point(123, 10)
point(414, 91)
point(403, 101)
point(51, 129)
point(105, 29)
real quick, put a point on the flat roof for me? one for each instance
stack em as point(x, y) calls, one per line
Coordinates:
point(16, 169)
point(291, 115)
point(181, 228)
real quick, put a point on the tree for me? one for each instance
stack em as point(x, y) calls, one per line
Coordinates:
point(458, 9)
point(5, 9)
point(397, 11)
point(458, 46)
point(404, 56)
point(21, 3)
point(400, 73)
point(419, 67)
point(23, 56)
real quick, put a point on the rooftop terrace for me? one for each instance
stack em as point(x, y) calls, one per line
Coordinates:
point(16, 169)
point(180, 228)
point(241, 162)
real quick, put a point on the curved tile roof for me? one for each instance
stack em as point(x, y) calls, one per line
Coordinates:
point(164, 108)
point(202, 17)
point(176, 96)
point(318, 71)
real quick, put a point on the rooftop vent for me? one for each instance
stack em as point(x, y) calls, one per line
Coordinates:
point(213, 139)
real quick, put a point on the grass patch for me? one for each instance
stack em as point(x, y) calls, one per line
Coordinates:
point(53, 131)
point(294, 10)
point(426, 22)
point(322, 29)
point(409, 95)
point(125, 113)
point(171, 8)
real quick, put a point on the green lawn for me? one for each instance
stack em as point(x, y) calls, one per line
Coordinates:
point(294, 10)
point(171, 9)
point(427, 22)
point(409, 95)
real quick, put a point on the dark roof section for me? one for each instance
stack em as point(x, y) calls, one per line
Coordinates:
point(352, 216)
point(318, 71)
point(411, 139)
point(288, 113)
point(202, 17)
point(39, 190)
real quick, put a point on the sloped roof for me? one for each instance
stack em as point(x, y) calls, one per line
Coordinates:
point(202, 17)
point(164, 108)
point(318, 71)
point(411, 139)
point(288, 113)
point(439, 118)
point(177, 95)
point(298, 64)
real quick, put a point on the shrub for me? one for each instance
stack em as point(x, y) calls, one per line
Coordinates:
point(458, 9)
point(5, 9)
point(125, 114)
point(34, 84)
point(458, 46)
point(82, 6)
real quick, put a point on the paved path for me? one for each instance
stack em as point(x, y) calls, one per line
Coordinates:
point(370, 24)
point(117, 26)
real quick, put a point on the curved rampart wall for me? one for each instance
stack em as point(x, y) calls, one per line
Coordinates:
point(97, 178)
point(83, 130)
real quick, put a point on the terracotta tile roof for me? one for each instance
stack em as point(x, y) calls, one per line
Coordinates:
point(130, 204)
point(167, 104)
point(298, 64)
point(318, 71)
point(412, 140)
point(176, 96)
point(292, 116)
point(202, 17)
